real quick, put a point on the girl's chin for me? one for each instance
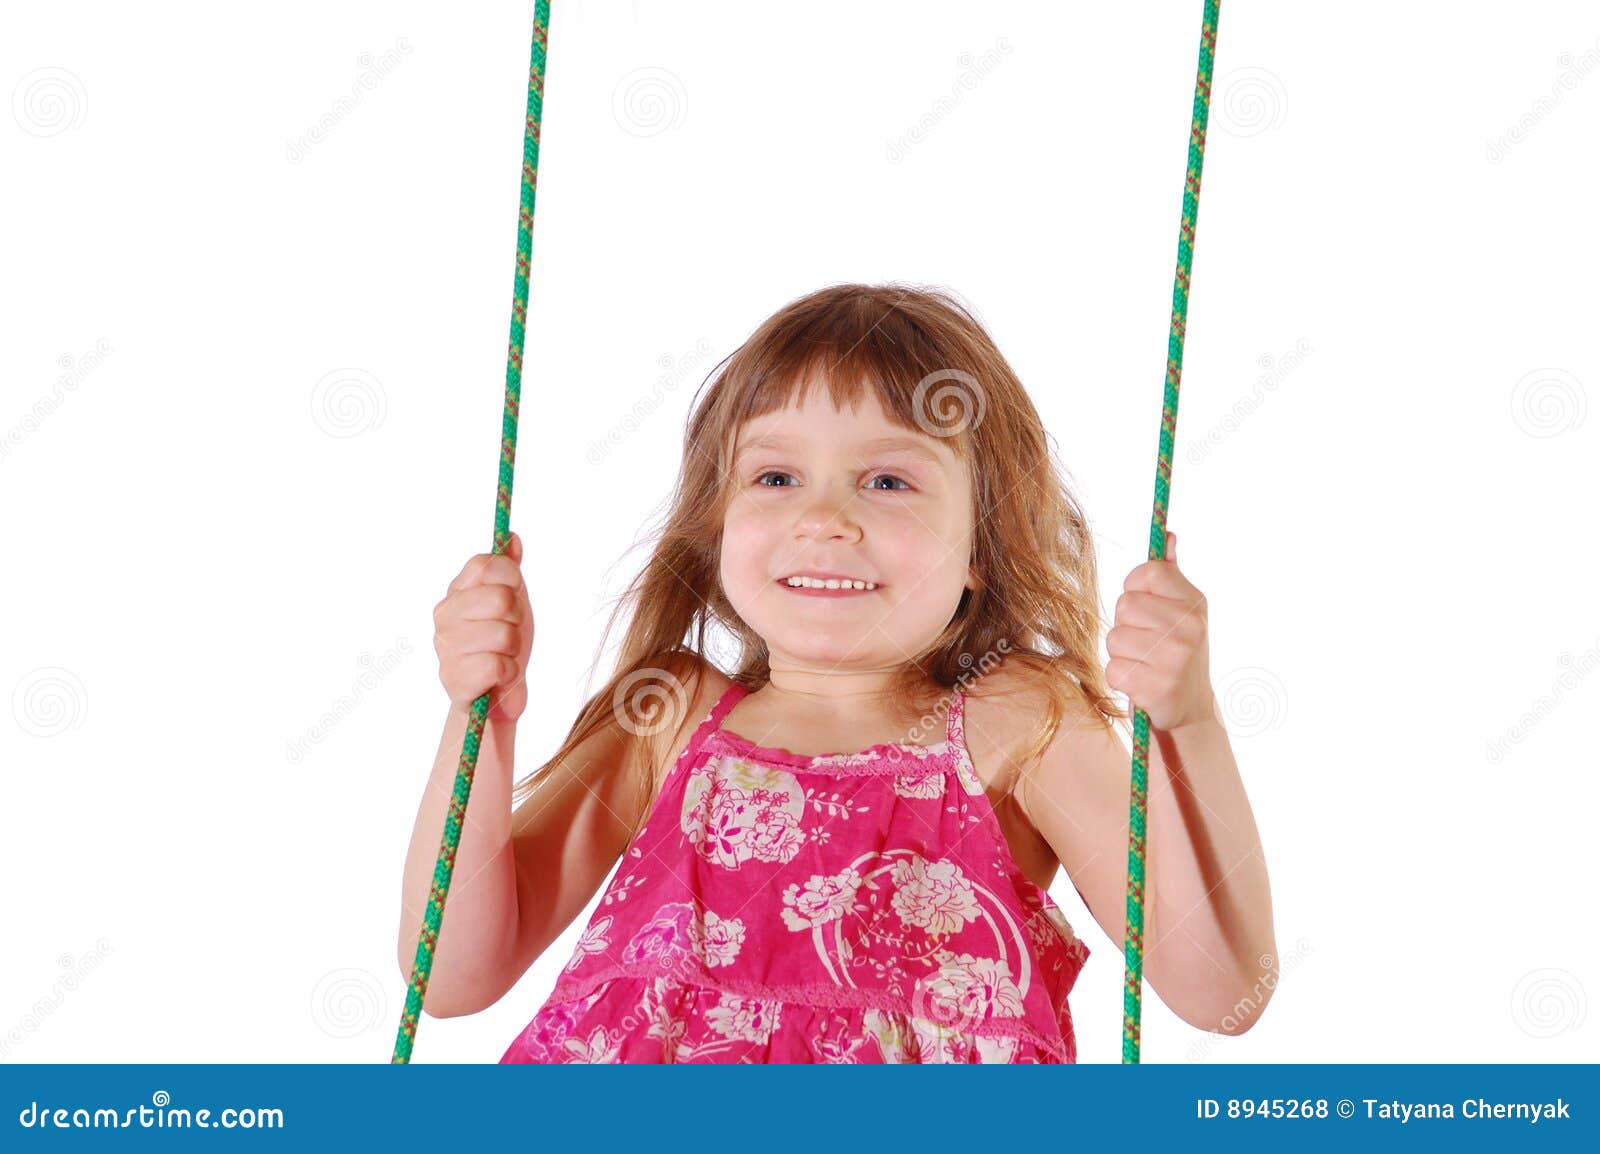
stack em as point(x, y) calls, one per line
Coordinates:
point(819, 649)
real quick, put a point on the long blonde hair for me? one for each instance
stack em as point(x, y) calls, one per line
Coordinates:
point(925, 357)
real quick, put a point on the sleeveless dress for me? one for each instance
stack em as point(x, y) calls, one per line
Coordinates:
point(778, 907)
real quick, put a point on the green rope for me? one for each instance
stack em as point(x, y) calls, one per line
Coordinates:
point(1133, 946)
point(429, 938)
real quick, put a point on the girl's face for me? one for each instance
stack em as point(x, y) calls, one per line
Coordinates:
point(822, 492)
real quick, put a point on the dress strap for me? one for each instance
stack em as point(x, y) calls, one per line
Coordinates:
point(955, 720)
point(730, 697)
point(713, 720)
point(955, 730)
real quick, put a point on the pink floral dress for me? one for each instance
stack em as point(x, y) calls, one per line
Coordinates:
point(776, 907)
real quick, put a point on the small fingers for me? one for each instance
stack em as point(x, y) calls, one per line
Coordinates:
point(471, 637)
point(484, 603)
point(489, 569)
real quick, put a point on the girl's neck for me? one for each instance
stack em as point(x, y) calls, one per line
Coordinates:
point(839, 688)
point(832, 698)
point(823, 712)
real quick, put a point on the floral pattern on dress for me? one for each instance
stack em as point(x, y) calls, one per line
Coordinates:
point(968, 990)
point(735, 811)
point(591, 943)
point(823, 900)
point(924, 784)
point(674, 932)
point(835, 909)
point(545, 1038)
point(889, 919)
point(720, 939)
point(744, 1019)
point(933, 896)
point(668, 934)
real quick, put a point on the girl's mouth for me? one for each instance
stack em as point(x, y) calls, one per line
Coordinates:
point(813, 591)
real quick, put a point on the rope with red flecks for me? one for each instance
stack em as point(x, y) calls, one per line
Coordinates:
point(422, 966)
point(1133, 945)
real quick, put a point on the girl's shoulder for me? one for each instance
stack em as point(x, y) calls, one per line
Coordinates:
point(998, 708)
point(1003, 711)
point(1007, 711)
point(689, 686)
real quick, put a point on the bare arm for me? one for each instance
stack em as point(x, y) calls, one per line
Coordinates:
point(518, 879)
point(480, 922)
point(483, 633)
point(534, 870)
point(569, 835)
point(1209, 945)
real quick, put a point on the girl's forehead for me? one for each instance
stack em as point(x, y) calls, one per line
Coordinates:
point(817, 400)
point(818, 418)
point(846, 438)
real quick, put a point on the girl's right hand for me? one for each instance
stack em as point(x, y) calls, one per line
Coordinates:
point(483, 633)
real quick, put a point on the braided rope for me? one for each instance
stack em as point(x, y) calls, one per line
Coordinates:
point(422, 966)
point(1133, 946)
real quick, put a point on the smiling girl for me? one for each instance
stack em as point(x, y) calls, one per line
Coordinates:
point(835, 844)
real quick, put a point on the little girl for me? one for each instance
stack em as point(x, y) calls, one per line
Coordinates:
point(837, 837)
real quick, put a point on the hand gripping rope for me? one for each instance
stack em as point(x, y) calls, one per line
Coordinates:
point(1133, 945)
point(422, 966)
point(428, 939)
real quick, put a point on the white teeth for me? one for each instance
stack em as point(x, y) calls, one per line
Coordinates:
point(827, 583)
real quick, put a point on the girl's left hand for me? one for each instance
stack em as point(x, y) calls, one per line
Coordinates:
point(1157, 644)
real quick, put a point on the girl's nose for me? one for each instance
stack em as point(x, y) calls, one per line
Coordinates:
point(827, 516)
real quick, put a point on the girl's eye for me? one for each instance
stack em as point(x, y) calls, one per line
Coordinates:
point(896, 485)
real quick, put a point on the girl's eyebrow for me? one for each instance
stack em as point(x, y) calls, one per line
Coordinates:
point(909, 444)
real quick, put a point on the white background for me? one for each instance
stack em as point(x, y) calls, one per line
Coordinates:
point(250, 404)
